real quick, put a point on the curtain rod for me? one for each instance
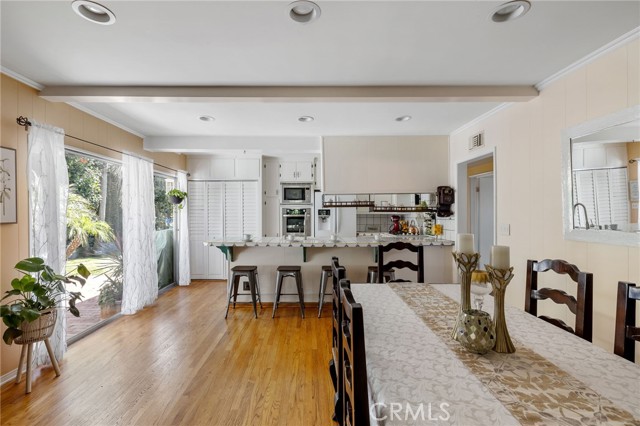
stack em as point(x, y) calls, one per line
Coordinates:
point(24, 122)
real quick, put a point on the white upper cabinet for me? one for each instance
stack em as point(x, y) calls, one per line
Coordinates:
point(297, 171)
point(223, 168)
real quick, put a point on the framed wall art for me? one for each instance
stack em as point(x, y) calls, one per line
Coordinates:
point(8, 205)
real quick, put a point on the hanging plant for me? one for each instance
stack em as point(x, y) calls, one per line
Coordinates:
point(177, 197)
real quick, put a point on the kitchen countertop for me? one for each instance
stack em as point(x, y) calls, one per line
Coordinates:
point(361, 241)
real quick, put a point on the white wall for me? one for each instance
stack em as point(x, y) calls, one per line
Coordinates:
point(527, 139)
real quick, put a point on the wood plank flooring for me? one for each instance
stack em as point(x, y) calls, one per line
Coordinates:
point(180, 362)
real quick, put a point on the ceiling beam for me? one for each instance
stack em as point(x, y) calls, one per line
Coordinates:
point(114, 94)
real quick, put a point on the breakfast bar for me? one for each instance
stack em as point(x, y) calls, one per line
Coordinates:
point(356, 254)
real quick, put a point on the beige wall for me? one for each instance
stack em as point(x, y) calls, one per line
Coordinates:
point(527, 140)
point(384, 164)
point(18, 99)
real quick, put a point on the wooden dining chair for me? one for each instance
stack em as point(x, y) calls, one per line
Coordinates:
point(335, 364)
point(356, 396)
point(401, 264)
point(582, 306)
point(627, 332)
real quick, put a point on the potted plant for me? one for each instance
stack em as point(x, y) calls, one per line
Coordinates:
point(177, 197)
point(35, 295)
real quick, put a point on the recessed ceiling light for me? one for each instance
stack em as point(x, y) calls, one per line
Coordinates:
point(303, 11)
point(510, 11)
point(306, 118)
point(207, 118)
point(403, 118)
point(94, 12)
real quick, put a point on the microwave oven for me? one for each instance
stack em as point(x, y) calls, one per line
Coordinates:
point(292, 193)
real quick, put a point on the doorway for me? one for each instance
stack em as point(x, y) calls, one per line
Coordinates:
point(476, 201)
point(481, 206)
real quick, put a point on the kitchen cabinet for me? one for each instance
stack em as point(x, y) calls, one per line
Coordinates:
point(218, 211)
point(297, 171)
point(270, 197)
point(223, 168)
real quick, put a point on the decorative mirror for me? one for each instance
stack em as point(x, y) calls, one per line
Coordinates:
point(600, 166)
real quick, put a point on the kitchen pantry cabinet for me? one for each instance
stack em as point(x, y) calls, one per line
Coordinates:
point(217, 211)
point(296, 171)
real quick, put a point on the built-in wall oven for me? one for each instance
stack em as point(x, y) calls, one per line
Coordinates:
point(296, 193)
point(296, 221)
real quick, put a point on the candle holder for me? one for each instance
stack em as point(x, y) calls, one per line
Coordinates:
point(500, 278)
point(466, 263)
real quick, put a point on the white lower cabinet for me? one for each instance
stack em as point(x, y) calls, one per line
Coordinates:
point(219, 211)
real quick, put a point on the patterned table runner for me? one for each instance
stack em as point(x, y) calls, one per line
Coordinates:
point(534, 390)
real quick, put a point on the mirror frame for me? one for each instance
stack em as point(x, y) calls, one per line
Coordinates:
point(631, 239)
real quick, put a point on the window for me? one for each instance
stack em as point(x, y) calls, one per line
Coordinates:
point(604, 194)
point(164, 228)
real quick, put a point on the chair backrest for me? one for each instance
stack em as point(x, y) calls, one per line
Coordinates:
point(400, 264)
point(335, 366)
point(356, 397)
point(627, 332)
point(582, 306)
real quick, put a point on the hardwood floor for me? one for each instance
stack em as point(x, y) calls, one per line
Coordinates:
point(180, 362)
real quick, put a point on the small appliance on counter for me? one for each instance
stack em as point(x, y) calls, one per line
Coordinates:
point(445, 199)
point(395, 228)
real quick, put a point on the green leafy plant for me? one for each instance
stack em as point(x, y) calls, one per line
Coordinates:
point(111, 289)
point(177, 197)
point(37, 290)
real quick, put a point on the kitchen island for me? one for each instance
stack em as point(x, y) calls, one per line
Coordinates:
point(356, 254)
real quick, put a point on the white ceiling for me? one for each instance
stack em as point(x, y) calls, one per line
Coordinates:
point(239, 43)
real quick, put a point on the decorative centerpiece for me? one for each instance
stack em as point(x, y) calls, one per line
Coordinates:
point(476, 331)
point(480, 287)
point(466, 261)
point(500, 274)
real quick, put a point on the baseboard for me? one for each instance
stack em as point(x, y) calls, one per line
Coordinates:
point(8, 377)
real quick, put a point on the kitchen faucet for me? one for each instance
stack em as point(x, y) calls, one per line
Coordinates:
point(586, 218)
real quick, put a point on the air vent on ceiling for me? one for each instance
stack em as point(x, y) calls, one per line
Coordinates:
point(476, 141)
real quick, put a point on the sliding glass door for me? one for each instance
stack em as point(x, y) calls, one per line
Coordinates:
point(164, 229)
point(94, 237)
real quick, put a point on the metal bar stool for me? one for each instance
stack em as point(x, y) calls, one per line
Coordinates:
point(251, 272)
point(372, 275)
point(295, 273)
point(326, 274)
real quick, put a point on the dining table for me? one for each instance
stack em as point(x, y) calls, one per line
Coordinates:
point(417, 374)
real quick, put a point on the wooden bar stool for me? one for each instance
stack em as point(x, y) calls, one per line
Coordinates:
point(324, 278)
point(251, 272)
point(372, 275)
point(295, 273)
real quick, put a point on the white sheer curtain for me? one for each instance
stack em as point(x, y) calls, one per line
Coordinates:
point(140, 286)
point(48, 192)
point(184, 268)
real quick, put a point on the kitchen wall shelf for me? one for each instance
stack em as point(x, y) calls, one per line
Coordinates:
point(355, 203)
point(400, 209)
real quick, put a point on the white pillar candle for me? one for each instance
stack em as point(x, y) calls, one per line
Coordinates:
point(500, 257)
point(465, 243)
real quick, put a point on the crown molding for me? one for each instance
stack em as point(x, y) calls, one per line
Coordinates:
point(105, 119)
point(21, 78)
point(480, 118)
point(607, 48)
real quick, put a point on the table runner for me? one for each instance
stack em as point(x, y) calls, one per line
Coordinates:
point(534, 390)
